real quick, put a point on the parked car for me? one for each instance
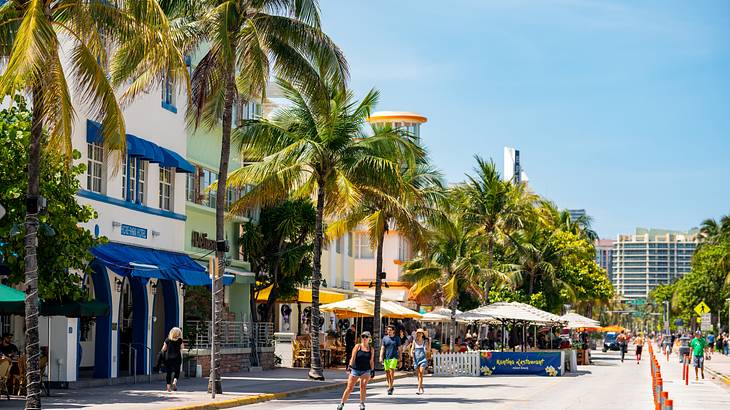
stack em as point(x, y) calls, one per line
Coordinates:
point(609, 342)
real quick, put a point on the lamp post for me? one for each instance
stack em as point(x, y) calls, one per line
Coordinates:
point(728, 315)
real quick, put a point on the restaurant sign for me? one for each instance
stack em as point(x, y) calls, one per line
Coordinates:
point(201, 240)
point(135, 231)
point(537, 363)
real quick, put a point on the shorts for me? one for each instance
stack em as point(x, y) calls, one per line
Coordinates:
point(359, 373)
point(390, 364)
point(638, 349)
point(698, 361)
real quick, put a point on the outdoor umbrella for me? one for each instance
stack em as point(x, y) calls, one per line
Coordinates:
point(395, 311)
point(355, 307)
point(576, 321)
point(12, 302)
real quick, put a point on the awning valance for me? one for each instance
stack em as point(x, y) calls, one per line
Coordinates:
point(128, 260)
point(144, 149)
point(12, 302)
point(304, 295)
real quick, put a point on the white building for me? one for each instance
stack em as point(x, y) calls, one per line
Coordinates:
point(512, 167)
point(650, 258)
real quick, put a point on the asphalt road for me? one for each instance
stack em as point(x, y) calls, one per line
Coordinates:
point(608, 384)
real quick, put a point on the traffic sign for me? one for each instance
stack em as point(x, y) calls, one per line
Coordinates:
point(706, 322)
point(702, 308)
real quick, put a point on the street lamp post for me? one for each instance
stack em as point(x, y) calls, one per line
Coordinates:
point(728, 315)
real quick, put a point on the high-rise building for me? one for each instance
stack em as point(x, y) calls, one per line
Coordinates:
point(512, 168)
point(649, 258)
point(576, 213)
point(604, 255)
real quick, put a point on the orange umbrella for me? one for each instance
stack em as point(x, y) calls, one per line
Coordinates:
point(614, 328)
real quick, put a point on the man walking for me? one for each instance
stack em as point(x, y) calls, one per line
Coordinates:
point(390, 354)
point(698, 345)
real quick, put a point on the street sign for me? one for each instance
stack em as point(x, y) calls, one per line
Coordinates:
point(702, 308)
point(636, 301)
point(706, 322)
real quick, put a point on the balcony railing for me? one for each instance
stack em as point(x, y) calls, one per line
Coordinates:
point(233, 334)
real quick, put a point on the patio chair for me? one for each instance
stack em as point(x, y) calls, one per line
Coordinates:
point(5, 365)
point(19, 379)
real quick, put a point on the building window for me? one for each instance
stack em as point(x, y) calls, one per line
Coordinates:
point(95, 169)
point(131, 191)
point(168, 95)
point(338, 245)
point(362, 246)
point(248, 111)
point(166, 191)
point(206, 179)
point(190, 194)
point(349, 244)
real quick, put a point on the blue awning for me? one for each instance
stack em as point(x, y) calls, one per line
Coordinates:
point(128, 260)
point(144, 149)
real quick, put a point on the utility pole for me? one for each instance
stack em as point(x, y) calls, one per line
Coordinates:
point(666, 317)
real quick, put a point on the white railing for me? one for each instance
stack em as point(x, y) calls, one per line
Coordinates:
point(456, 364)
point(233, 334)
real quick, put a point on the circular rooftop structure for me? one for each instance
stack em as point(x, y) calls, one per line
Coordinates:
point(397, 116)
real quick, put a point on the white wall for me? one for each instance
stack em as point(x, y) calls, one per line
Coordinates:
point(64, 341)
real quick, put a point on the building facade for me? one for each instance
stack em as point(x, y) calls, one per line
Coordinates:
point(576, 213)
point(604, 255)
point(512, 170)
point(649, 258)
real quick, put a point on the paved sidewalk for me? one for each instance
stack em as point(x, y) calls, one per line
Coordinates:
point(246, 386)
point(707, 394)
point(720, 365)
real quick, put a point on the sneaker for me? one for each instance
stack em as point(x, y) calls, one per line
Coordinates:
point(174, 384)
point(390, 391)
point(340, 406)
point(362, 406)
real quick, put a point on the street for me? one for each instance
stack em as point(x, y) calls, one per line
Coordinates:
point(607, 384)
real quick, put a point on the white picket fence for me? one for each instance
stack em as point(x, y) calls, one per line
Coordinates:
point(456, 364)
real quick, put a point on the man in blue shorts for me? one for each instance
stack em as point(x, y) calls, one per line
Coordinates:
point(698, 345)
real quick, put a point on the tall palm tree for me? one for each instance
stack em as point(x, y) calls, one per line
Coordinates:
point(35, 36)
point(386, 205)
point(450, 264)
point(538, 258)
point(314, 148)
point(246, 40)
point(495, 208)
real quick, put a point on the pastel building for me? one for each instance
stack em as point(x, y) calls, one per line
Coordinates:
point(604, 255)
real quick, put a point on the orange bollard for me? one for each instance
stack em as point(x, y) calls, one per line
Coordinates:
point(663, 398)
point(669, 405)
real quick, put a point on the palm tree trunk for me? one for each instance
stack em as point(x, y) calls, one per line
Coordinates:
point(32, 347)
point(532, 284)
point(378, 294)
point(490, 264)
point(315, 371)
point(220, 209)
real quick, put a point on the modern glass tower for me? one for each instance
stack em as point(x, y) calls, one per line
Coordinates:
point(649, 258)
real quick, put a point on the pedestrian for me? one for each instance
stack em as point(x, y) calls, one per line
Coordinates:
point(420, 349)
point(350, 341)
point(719, 342)
point(361, 367)
point(711, 343)
point(390, 355)
point(622, 341)
point(172, 349)
point(726, 343)
point(698, 345)
point(639, 342)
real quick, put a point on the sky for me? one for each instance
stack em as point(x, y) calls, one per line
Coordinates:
point(621, 108)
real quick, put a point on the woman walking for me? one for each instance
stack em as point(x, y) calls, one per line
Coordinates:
point(420, 348)
point(173, 357)
point(362, 367)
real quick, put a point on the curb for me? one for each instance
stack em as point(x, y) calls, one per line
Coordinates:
point(259, 398)
point(720, 376)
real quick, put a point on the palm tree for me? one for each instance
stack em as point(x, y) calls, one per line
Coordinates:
point(451, 263)
point(32, 33)
point(495, 208)
point(245, 40)
point(315, 148)
point(538, 258)
point(403, 203)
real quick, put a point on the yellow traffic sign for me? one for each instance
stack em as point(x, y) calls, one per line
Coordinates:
point(702, 308)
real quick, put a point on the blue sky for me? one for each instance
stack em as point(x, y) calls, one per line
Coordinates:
point(621, 108)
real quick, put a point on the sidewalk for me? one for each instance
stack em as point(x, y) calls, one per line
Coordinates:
point(707, 394)
point(720, 366)
point(239, 389)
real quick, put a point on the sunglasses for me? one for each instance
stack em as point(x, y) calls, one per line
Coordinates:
point(365, 337)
